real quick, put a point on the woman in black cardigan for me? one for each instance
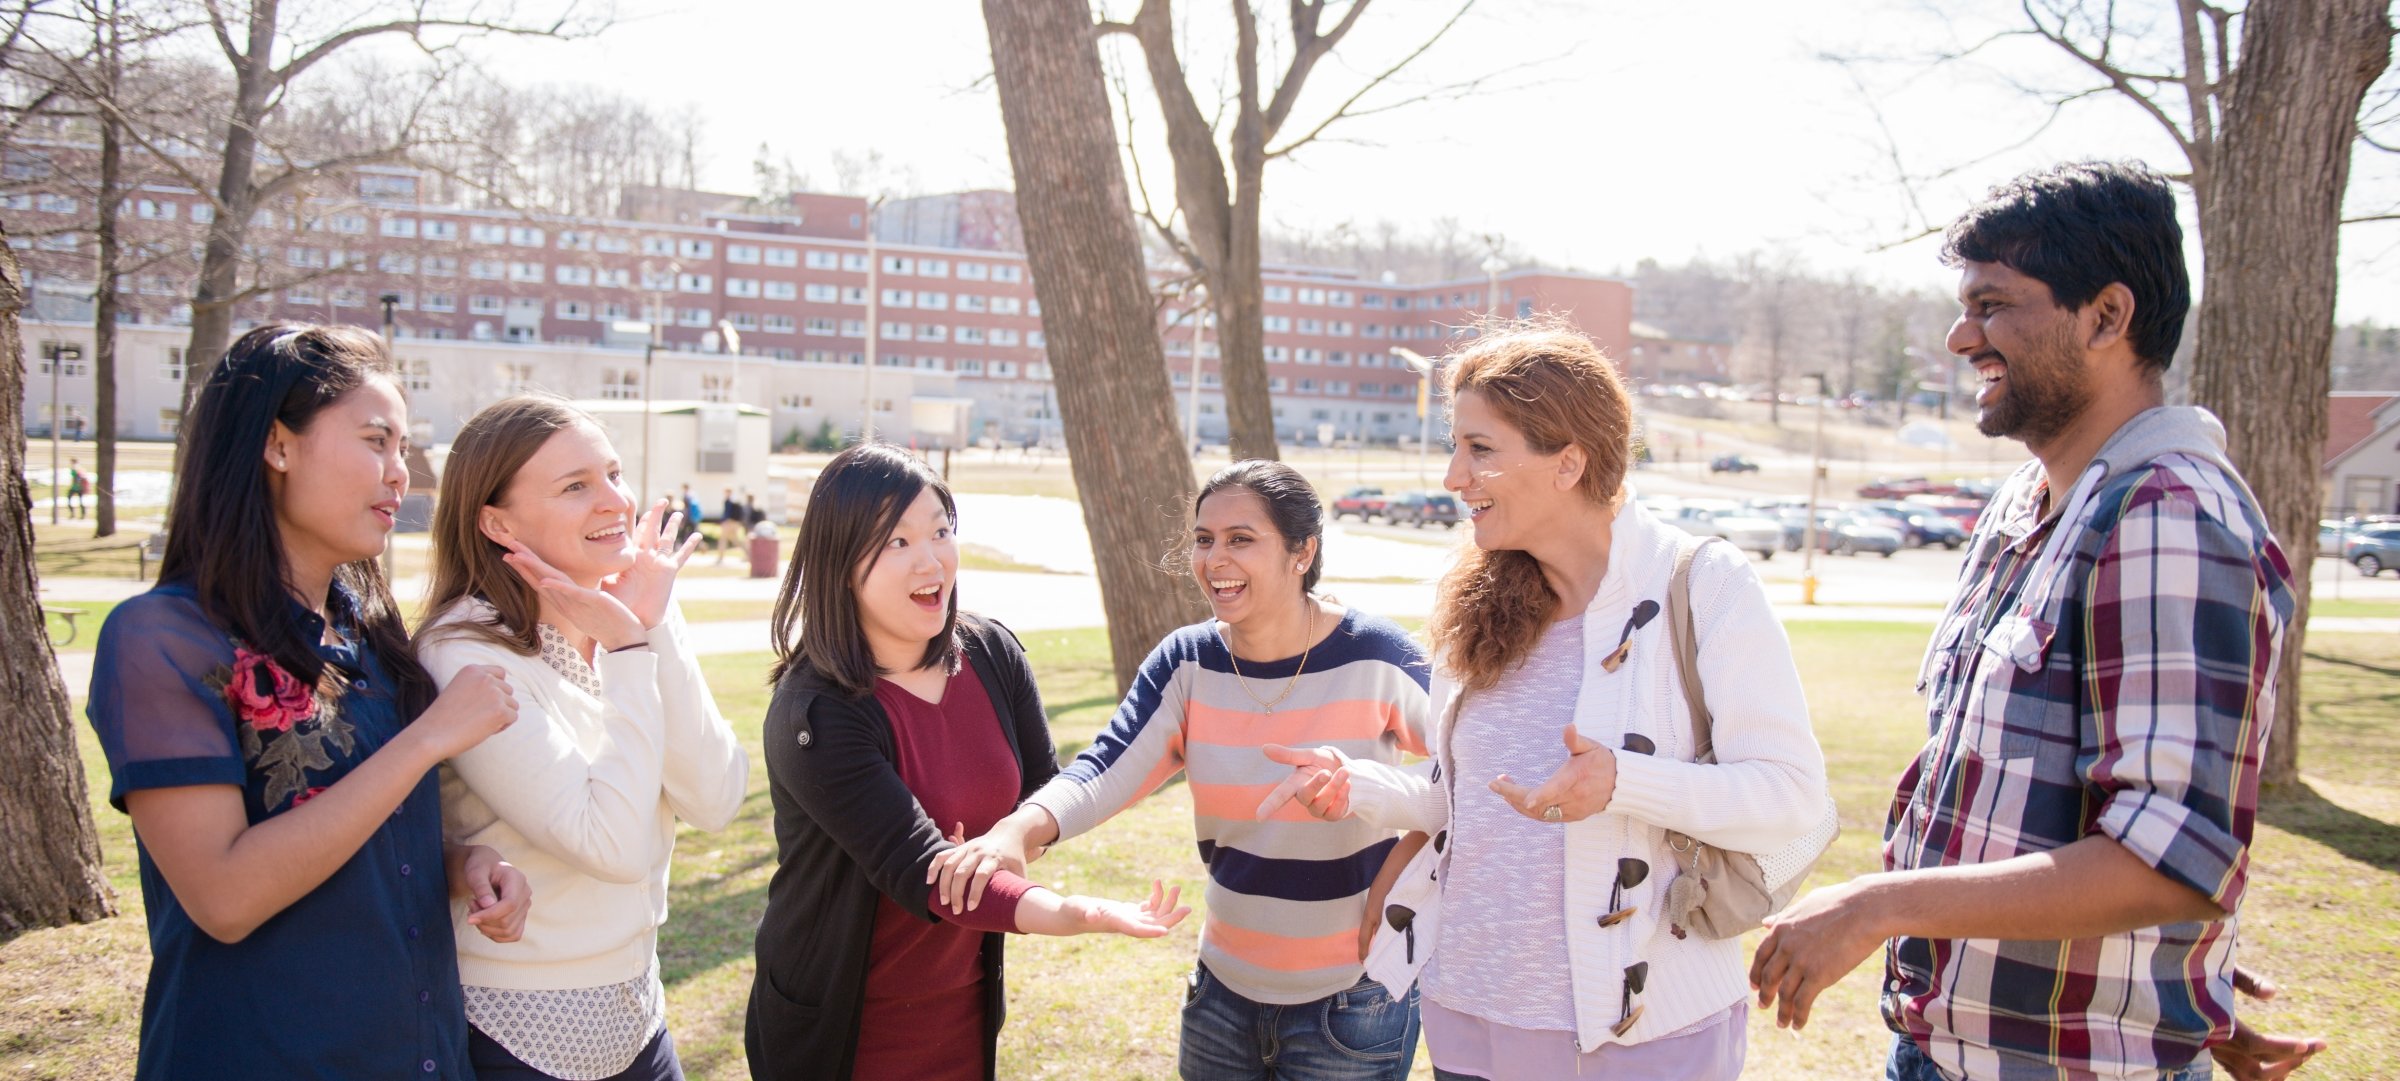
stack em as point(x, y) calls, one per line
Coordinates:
point(896, 720)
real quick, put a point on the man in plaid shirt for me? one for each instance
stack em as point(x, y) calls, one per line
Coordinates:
point(2065, 861)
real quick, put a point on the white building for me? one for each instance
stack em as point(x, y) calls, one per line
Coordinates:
point(447, 381)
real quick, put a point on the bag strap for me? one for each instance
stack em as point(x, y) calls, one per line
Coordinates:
point(1687, 645)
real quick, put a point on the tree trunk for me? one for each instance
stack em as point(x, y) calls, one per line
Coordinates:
point(237, 199)
point(1117, 410)
point(2269, 233)
point(49, 851)
point(104, 298)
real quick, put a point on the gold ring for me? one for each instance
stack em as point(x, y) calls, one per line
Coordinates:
point(1554, 813)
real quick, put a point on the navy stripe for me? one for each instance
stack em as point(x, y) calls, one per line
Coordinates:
point(1295, 880)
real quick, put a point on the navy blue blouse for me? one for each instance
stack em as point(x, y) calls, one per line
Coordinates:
point(358, 979)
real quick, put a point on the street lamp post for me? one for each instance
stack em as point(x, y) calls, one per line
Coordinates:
point(1816, 477)
point(58, 359)
point(1199, 336)
point(866, 425)
point(1492, 266)
point(1424, 368)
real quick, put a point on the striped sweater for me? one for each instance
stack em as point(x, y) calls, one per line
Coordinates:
point(1285, 894)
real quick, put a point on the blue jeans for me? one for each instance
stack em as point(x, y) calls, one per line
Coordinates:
point(1908, 1063)
point(1358, 1034)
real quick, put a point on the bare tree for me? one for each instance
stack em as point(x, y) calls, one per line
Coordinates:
point(265, 70)
point(1219, 191)
point(49, 850)
point(1084, 251)
point(1774, 308)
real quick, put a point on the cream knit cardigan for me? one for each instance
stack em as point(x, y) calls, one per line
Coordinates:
point(582, 794)
point(1766, 789)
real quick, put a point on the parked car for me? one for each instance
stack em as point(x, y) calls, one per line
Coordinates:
point(2373, 549)
point(2331, 533)
point(1849, 534)
point(1896, 488)
point(1420, 508)
point(1725, 518)
point(1961, 512)
point(1363, 503)
point(1918, 524)
point(1732, 463)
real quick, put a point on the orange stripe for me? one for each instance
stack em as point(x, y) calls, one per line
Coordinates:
point(1348, 719)
point(1240, 802)
point(1282, 953)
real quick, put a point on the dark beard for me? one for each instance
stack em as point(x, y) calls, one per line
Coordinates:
point(2042, 392)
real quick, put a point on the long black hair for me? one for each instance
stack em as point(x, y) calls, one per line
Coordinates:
point(851, 512)
point(222, 535)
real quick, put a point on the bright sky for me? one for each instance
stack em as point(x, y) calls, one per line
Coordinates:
point(1615, 131)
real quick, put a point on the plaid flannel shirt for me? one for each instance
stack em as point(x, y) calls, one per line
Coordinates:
point(2129, 694)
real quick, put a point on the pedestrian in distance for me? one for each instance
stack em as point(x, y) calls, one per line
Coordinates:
point(733, 527)
point(2065, 861)
point(897, 721)
point(1556, 926)
point(274, 740)
point(542, 570)
point(1279, 989)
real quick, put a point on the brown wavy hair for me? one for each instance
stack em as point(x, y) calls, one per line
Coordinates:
point(491, 447)
point(1556, 388)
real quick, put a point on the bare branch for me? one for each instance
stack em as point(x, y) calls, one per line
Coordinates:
point(2117, 79)
point(415, 29)
point(1308, 47)
point(2363, 219)
point(217, 25)
point(1349, 106)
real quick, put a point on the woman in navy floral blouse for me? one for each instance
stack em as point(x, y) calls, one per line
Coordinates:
point(274, 742)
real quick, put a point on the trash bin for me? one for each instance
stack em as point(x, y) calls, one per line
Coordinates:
point(763, 550)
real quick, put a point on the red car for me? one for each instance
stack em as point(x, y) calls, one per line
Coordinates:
point(1897, 488)
point(1364, 503)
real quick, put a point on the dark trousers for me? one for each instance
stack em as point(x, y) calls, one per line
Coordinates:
point(492, 1062)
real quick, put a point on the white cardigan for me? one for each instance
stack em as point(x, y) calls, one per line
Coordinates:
point(1766, 790)
point(582, 794)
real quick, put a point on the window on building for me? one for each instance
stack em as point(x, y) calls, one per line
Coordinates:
point(1003, 336)
point(971, 302)
point(441, 302)
point(691, 248)
point(776, 324)
point(621, 384)
point(935, 301)
point(854, 261)
point(743, 320)
point(783, 257)
point(820, 326)
point(899, 264)
point(696, 317)
point(745, 254)
point(417, 375)
point(400, 227)
point(1008, 272)
point(1004, 369)
point(695, 283)
point(741, 287)
point(819, 259)
point(526, 273)
point(1007, 306)
point(490, 270)
point(782, 291)
point(439, 266)
point(854, 328)
point(439, 230)
point(968, 366)
point(820, 293)
point(1279, 324)
point(1311, 326)
point(574, 309)
point(974, 272)
point(393, 262)
point(898, 298)
point(1312, 296)
point(574, 275)
point(1279, 294)
point(932, 332)
point(612, 243)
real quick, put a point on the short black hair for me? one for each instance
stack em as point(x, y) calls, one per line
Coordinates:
point(1292, 504)
point(852, 509)
point(2078, 226)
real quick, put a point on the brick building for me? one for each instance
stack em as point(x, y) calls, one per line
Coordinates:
point(793, 281)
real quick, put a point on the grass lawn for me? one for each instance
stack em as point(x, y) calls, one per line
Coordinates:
point(2319, 916)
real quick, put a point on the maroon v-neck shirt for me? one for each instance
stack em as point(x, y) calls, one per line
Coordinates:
point(923, 1015)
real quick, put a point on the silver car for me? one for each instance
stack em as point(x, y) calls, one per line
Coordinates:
point(1744, 529)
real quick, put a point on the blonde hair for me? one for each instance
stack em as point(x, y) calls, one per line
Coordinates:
point(1558, 389)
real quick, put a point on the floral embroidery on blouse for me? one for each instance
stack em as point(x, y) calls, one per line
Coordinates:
point(285, 725)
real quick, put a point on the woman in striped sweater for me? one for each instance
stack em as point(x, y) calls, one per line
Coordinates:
point(1279, 990)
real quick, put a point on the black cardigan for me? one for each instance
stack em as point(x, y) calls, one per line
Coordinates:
point(846, 829)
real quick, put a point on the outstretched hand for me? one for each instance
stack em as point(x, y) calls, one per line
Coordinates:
point(1320, 780)
point(1580, 789)
point(1153, 917)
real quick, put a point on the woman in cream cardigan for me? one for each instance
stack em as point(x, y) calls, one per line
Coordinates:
point(1565, 752)
point(541, 569)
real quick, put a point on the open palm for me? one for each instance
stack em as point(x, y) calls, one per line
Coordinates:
point(1153, 917)
point(647, 587)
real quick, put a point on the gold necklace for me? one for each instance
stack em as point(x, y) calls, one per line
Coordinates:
point(1244, 684)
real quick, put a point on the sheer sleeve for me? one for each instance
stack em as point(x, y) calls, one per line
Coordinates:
point(157, 700)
